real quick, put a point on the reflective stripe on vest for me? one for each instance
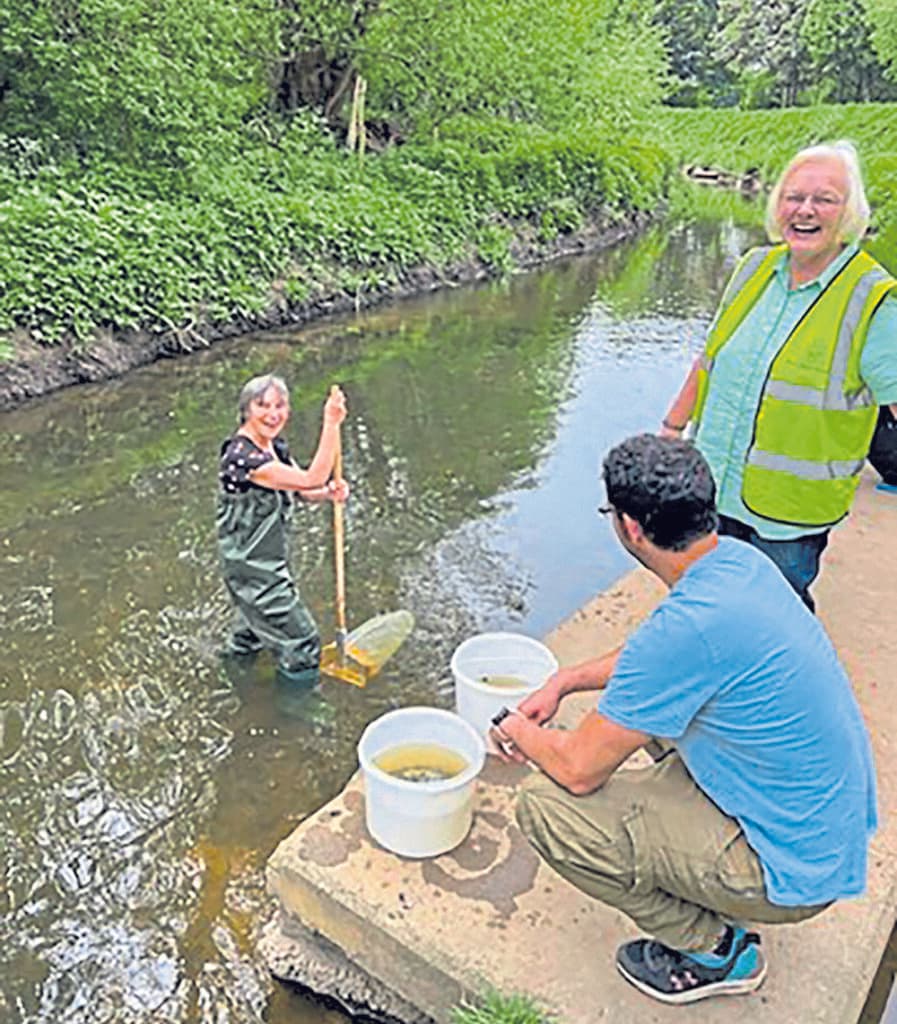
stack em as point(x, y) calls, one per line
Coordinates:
point(806, 468)
point(834, 397)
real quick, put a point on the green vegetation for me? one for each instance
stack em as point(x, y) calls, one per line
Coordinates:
point(165, 166)
point(176, 166)
point(497, 1009)
point(779, 53)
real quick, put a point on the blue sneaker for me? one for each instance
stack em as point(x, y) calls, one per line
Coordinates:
point(680, 976)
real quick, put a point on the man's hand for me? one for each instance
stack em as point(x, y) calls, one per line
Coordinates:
point(505, 747)
point(542, 705)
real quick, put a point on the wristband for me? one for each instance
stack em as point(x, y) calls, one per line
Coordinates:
point(500, 716)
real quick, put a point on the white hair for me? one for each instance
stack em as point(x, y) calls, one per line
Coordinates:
point(255, 388)
point(855, 218)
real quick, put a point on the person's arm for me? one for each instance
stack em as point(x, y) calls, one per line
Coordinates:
point(592, 674)
point(282, 477)
point(680, 412)
point(878, 360)
point(580, 760)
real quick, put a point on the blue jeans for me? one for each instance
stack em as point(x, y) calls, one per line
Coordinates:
point(797, 559)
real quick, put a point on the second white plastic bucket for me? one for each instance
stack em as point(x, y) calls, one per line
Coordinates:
point(502, 655)
point(419, 819)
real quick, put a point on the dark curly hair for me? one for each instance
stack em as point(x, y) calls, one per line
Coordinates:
point(665, 485)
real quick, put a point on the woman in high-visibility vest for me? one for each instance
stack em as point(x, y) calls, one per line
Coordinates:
point(784, 398)
point(257, 477)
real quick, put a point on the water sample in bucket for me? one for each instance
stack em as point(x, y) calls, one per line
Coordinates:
point(504, 682)
point(421, 762)
point(419, 767)
point(494, 670)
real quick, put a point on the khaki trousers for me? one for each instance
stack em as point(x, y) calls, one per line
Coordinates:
point(651, 844)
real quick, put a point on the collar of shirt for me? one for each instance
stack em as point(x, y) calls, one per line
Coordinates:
point(784, 264)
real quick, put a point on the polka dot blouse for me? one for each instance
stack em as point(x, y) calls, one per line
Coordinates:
point(239, 457)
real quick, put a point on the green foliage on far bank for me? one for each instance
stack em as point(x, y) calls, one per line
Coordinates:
point(779, 53)
point(170, 164)
point(767, 139)
point(294, 219)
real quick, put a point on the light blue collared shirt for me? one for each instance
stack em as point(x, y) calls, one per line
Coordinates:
point(742, 365)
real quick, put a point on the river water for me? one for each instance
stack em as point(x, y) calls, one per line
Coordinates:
point(143, 785)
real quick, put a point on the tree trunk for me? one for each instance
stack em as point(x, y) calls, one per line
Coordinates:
point(310, 79)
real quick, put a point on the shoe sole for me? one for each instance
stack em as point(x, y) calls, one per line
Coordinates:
point(742, 987)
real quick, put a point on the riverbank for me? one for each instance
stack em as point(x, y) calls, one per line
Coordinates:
point(106, 271)
point(107, 268)
point(32, 370)
point(757, 144)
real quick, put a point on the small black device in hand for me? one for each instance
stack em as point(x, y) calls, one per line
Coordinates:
point(501, 716)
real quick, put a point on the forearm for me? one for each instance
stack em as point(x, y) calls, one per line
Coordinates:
point(683, 405)
point(556, 753)
point(315, 493)
point(592, 674)
point(321, 465)
point(581, 759)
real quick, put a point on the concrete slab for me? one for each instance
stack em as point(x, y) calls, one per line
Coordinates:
point(489, 914)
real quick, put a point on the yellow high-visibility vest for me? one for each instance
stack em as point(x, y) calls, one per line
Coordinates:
point(816, 416)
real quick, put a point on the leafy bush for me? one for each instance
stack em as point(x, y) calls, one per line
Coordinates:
point(107, 248)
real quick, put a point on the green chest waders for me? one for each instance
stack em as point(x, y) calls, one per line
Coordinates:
point(253, 542)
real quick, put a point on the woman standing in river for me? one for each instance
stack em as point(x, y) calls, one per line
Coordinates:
point(798, 359)
point(257, 475)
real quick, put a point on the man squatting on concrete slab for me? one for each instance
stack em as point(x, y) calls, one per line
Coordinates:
point(761, 802)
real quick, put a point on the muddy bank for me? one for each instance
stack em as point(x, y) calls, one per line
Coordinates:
point(35, 370)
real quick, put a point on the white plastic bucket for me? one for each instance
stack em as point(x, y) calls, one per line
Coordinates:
point(497, 654)
point(419, 819)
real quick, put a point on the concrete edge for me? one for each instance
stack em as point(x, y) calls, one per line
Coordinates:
point(299, 956)
point(373, 950)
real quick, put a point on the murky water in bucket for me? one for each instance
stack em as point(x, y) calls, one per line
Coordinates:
point(503, 682)
point(421, 762)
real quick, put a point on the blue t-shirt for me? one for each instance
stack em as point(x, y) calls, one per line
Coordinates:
point(735, 669)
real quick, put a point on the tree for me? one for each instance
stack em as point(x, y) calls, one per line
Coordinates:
point(558, 63)
point(133, 77)
point(317, 58)
point(761, 44)
point(882, 19)
point(836, 36)
point(689, 27)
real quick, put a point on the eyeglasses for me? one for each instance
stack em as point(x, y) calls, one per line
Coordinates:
point(605, 510)
point(817, 202)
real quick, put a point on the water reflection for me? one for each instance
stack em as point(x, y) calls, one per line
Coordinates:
point(143, 785)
